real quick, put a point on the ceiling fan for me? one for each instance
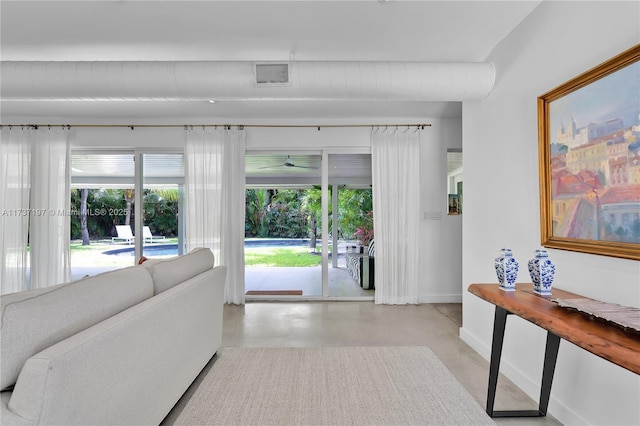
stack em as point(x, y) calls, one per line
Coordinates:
point(288, 162)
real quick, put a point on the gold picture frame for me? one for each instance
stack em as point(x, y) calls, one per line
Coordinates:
point(589, 160)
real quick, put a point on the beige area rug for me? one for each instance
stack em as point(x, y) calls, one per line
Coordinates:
point(329, 386)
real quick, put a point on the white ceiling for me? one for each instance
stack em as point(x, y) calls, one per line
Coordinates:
point(366, 30)
point(98, 170)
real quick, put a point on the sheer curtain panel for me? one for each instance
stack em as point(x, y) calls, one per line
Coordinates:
point(49, 229)
point(395, 157)
point(15, 177)
point(215, 186)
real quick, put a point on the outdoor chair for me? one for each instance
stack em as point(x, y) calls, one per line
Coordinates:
point(150, 238)
point(124, 234)
point(362, 266)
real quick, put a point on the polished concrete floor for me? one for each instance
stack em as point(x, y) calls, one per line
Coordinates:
point(314, 324)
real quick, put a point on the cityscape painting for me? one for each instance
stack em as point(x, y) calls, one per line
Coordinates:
point(589, 147)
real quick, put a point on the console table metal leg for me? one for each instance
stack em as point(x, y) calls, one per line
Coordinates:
point(499, 323)
point(550, 357)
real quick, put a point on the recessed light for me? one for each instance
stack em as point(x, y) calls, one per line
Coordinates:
point(211, 101)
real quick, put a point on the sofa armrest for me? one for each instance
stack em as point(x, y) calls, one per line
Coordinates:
point(111, 373)
point(8, 417)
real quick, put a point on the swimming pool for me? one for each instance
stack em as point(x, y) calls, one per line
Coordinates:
point(172, 249)
point(154, 250)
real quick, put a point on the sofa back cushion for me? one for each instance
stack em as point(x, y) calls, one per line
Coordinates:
point(34, 320)
point(170, 272)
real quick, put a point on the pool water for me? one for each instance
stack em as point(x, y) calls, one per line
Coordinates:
point(172, 249)
point(155, 250)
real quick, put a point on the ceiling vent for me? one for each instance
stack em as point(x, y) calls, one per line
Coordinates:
point(272, 74)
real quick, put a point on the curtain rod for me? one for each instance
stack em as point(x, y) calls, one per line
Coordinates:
point(133, 126)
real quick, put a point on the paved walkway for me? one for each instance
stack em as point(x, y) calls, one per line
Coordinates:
point(307, 279)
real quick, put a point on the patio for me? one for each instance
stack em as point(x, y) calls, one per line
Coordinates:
point(91, 260)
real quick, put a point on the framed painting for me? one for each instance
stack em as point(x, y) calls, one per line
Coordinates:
point(589, 160)
point(454, 204)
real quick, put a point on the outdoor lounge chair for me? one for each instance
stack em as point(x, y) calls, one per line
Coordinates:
point(150, 238)
point(362, 266)
point(124, 234)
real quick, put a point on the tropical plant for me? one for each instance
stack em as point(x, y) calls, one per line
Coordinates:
point(256, 201)
point(102, 210)
point(112, 202)
point(296, 213)
point(354, 206)
point(283, 217)
point(364, 233)
point(105, 208)
point(161, 210)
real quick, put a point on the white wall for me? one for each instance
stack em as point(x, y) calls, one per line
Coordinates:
point(558, 41)
point(441, 250)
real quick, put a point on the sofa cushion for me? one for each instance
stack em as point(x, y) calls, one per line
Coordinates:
point(170, 272)
point(34, 320)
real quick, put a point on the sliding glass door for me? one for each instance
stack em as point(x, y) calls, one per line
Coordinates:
point(350, 224)
point(124, 204)
point(282, 225)
point(162, 204)
point(102, 186)
point(302, 213)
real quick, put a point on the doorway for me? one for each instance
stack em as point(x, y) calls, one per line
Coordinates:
point(289, 200)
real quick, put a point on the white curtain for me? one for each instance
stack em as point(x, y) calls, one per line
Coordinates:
point(215, 187)
point(15, 172)
point(34, 205)
point(395, 156)
point(49, 229)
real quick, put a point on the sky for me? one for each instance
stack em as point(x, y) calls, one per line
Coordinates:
point(614, 96)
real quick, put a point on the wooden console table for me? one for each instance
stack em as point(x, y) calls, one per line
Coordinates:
point(607, 340)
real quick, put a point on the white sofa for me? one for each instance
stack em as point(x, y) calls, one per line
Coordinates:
point(118, 348)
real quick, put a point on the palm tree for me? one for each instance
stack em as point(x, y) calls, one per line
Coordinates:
point(84, 194)
point(129, 195)
point(312, 205)
point(167, 194)
point(111, 200)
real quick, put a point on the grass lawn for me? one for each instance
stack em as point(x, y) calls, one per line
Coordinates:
point(281, 256)
point(92, 255)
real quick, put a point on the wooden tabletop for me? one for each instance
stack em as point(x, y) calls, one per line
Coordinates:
point(605, 339)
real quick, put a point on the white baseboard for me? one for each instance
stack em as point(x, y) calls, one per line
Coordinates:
point(529, 386)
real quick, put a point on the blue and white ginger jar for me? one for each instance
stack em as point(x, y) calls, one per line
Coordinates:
point(499, 266)
point(507, 270)
point(542, 271)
